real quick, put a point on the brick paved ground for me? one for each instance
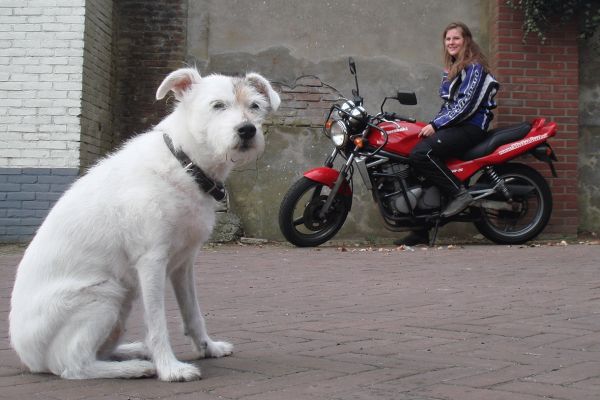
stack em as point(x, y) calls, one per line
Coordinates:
point(467, 323)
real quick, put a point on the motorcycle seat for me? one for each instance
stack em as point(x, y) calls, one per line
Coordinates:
point(496, 138)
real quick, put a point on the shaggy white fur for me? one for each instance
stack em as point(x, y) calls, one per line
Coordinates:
point(132, 221)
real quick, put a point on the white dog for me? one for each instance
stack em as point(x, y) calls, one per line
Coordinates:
point(135, 219)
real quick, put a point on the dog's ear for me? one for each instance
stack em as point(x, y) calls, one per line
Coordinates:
point(264, 87)
point(179, 82)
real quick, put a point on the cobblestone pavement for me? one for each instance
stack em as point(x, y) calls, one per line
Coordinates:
point(473, 322)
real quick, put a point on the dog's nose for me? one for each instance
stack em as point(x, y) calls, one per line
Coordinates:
point(246, 131)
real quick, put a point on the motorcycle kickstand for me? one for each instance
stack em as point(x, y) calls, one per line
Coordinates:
point(436, 227)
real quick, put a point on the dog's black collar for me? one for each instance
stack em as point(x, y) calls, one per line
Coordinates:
point(210, 186)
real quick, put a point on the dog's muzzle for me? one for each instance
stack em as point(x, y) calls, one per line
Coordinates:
point(246, 132)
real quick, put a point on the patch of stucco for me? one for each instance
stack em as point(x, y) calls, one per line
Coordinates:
point(589, 135)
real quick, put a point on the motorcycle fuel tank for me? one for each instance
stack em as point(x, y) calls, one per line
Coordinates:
point(402, 136)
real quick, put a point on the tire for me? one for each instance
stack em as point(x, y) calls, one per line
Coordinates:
point(298, 215)
point(533, 206)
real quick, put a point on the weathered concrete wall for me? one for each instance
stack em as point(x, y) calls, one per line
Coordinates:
point(589, 136)
point(396, 45)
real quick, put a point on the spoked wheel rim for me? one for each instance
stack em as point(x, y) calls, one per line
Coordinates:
point(307, 220)
point(526, 213)
point(300, 216)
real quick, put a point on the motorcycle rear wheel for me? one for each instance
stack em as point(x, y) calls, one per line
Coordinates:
point(531, 209)
point(299, 219)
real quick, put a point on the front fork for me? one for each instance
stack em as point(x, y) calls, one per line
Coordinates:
point(343, 174)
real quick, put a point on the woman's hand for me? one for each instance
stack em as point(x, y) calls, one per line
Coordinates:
point(427, 131)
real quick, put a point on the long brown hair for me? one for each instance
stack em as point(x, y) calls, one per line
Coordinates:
point(470, 52)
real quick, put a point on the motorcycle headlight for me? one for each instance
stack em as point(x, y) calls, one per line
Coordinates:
point(347, 107)
point(358, 115)
point(338, 133)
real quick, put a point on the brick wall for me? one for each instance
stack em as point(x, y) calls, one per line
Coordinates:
point(97, 134)
point(151, 43)
point(26, 195)
point(70, 92)
point(305, 103)
point(40, 82)
point(541, 80)
point(41, 62)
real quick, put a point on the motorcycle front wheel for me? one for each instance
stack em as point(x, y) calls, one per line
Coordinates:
point(528, 213)
point(299, 218)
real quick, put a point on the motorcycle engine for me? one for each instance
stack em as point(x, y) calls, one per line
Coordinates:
point(419, 197)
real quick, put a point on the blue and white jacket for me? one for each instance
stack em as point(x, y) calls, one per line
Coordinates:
point(468, 98)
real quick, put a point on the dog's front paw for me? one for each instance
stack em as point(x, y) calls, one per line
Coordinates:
point(179, 372)
point(218, 349)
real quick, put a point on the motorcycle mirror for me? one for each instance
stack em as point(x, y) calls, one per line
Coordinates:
point(352, 65)
point(356, 92)
point(406, 98)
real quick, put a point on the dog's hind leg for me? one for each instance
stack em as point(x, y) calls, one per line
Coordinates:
point(73, 354)
point(152, 277)
point(113, 350)
point(194, 325)
point(112, 369)
point(128, 351)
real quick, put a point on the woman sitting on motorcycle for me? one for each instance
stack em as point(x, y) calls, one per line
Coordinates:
point(467, 89)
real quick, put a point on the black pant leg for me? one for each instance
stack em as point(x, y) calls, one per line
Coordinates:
point(428, 155)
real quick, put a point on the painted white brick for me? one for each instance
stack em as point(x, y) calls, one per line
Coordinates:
point(51, 94)
point(35, 153)
point(24, 162)
point(13, 153)
point(40, 52)
point(6, 20)
point(37, 119)
point(40, 19)
point(67, 52)
point(12, 119)
point(60, 86)
point(23, 94)
point(65, 35)
point(43, 52)
point(21, 111)
point(53, 111)
point(10, 35)
point(32, 85)
point(28, 11)
point(5, 86)
point(52, 144)
point(21, 127)
point(12, 136)
point(16, 103)
point(72, 161)
point(20, 63)
point(38, 69)
point(67, 120)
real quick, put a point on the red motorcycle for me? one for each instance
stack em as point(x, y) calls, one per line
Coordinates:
point(513, 201)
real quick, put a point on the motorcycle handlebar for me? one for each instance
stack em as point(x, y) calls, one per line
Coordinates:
point(393, 115)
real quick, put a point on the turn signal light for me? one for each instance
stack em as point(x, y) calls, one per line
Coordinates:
point(359, 142)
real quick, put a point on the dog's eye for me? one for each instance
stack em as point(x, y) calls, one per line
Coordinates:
point(218, 105)
point(255, 106)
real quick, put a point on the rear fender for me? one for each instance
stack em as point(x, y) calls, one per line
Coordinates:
point(328, 177)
